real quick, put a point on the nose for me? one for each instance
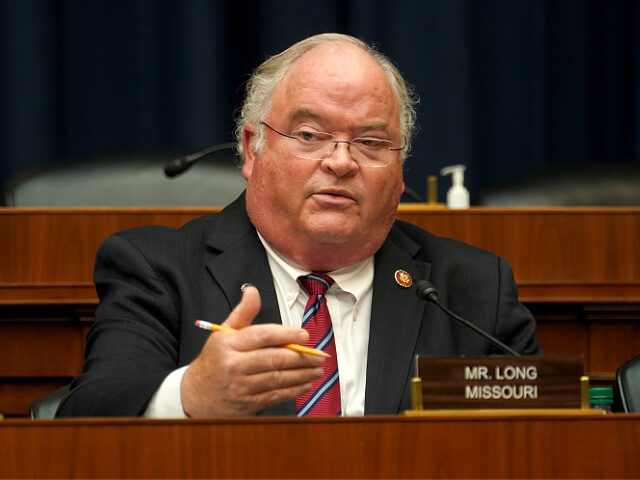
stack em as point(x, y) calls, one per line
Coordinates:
point(341, 160)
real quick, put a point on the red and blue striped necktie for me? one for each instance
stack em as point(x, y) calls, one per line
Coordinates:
point(324, 397)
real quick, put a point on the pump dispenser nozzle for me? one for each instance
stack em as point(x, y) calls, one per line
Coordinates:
point(458, 195)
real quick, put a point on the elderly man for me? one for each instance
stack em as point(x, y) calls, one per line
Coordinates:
point(310, 254)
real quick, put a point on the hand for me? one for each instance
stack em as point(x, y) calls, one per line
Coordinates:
point(237, 374)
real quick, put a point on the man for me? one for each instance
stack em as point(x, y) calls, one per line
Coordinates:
point(324, 130)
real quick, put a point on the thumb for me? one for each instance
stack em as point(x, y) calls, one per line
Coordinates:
point(244, 313)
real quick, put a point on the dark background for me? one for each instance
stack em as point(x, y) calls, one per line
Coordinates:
point(506, 86)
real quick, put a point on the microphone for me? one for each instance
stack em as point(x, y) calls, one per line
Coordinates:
point(411, 194)
point(182, 164)
point(428, 293)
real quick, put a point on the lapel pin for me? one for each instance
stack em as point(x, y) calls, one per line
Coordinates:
point(403, 278)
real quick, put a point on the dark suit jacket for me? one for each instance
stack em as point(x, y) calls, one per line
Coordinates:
point(154, 282)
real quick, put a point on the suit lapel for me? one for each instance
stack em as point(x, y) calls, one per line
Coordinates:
point(236, 256)
point(396, 317)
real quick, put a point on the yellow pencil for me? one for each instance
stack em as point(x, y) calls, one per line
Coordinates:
point(291, 346)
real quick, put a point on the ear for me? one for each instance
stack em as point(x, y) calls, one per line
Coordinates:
point(248, 134)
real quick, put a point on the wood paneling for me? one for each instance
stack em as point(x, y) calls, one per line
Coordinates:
point(615, 334)
point(558, 255)
point(47, 254)
point(462, 446)
point(18, 394)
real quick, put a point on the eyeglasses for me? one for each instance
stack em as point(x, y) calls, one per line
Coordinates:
point(311, 145)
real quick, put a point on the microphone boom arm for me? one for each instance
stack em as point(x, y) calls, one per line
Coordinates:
point(179, 165)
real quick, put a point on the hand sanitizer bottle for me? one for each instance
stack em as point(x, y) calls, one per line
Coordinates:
point(457, 196)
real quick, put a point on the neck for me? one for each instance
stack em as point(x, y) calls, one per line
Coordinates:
point(321, 258)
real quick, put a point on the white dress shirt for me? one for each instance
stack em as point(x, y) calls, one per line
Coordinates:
point(349, 302)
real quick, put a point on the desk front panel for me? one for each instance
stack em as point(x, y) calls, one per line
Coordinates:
point(465, 446)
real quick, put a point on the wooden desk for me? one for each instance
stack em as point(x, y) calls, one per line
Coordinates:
point(373, 447)
point(578, 270)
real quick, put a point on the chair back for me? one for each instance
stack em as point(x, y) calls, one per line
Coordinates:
point(46, 407)
point(615, 184)
point(626, 390)
point(127, 180)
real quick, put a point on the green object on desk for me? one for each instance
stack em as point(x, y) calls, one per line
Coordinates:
point(601, 397)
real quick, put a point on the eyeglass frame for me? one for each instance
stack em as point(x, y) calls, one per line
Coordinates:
point(336, 142)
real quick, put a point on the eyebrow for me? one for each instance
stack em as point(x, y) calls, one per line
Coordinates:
point(304, 113)
point(377, 126)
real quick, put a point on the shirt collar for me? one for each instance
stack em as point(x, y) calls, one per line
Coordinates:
point(355, 280)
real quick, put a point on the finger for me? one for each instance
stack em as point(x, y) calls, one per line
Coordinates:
point(244, 313)
point(273, 359)
point(257, 337)
point(251, 404)
point(281, 379)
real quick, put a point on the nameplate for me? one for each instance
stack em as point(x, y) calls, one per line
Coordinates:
point(500, 382)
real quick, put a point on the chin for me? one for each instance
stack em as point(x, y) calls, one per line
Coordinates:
point(329, 237)
point(336, 227)
point(332, 230)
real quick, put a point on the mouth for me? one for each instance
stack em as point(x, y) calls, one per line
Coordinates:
point(334, 198)
point(335, 193)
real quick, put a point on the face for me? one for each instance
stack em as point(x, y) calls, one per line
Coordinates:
point(332, 213)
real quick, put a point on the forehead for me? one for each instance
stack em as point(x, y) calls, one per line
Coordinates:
point(337, 81)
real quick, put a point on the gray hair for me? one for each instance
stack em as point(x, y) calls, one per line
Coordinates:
point(267, 76)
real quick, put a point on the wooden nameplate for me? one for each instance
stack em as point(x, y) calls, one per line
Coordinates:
point(500, 383)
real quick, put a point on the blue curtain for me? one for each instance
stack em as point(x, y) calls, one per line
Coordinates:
point(506, 86)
